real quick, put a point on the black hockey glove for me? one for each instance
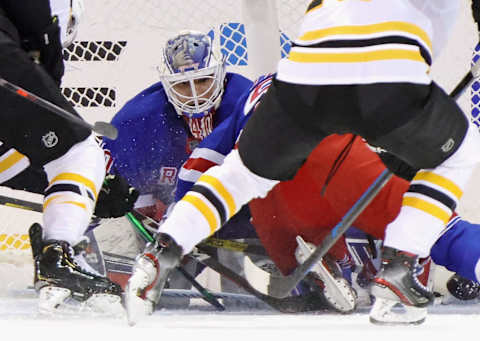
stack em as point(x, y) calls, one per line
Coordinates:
point(46, 49)
point(116, 198)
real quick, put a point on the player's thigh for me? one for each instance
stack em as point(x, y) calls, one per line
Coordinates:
point(275, 143)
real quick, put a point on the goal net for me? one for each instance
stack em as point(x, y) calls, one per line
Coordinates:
point(120, 43)
point(116, 55)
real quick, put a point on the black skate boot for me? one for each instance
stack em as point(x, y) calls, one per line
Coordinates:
point(398, 283)
point(64, 286)
point(150, 273)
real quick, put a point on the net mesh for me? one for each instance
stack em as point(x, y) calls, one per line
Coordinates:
point(119, 45)
point(475, 93)
point(116, 55)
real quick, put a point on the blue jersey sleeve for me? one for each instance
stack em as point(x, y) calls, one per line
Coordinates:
point(235, 87)
point(457, 248)
point(214, 148)
point(151, 145)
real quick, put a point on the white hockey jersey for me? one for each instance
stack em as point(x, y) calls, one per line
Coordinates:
point(368, 41)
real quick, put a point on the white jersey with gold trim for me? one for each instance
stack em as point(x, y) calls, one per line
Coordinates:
point(368, 41)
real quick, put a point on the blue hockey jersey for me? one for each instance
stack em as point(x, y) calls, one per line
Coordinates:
point(152, 141)
point(212, 150)
point(215, 147)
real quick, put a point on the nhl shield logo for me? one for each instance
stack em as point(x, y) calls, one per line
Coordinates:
point(447, 146)
point(50, 139)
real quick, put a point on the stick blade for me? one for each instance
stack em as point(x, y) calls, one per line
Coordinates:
point(105, 129)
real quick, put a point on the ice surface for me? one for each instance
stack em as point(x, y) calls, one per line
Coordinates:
point(19, 317)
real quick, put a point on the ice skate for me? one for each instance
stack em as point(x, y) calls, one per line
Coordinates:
point(337, 292)
point(64, 286)
point(400, 296)
point(149, 276)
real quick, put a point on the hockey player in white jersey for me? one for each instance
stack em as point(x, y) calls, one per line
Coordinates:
point(360, 67)
point(35, 139)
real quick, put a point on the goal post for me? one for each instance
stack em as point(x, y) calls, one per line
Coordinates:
point(116, 55)
point(119, 45)
point(262, 34)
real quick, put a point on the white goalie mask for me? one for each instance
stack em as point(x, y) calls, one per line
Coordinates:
point(193, 75)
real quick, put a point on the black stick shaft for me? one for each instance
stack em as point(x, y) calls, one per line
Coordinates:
point(22, 204)
point(462, 85)
point(206, 295)
point(282, 286)
point(101, 128)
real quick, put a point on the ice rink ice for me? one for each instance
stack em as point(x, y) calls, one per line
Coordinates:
point(19, 318)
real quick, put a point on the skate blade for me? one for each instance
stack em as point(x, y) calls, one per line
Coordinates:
point(136, 307)
point(106, 305)
point(339, 294)
point(338, 291)
point(390, 312)
point(55, 301)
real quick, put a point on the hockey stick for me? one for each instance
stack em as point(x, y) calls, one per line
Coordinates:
point(206, 295)
point(195, 294)
point(22, 204)
point(102, 265)
point(292, 304)
point(287, 305)
point(233, 246)
point(466, 80)
point(34, 206)
point(282, 286)
point(147, 226)
point(101, 128)
point(124, 265)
